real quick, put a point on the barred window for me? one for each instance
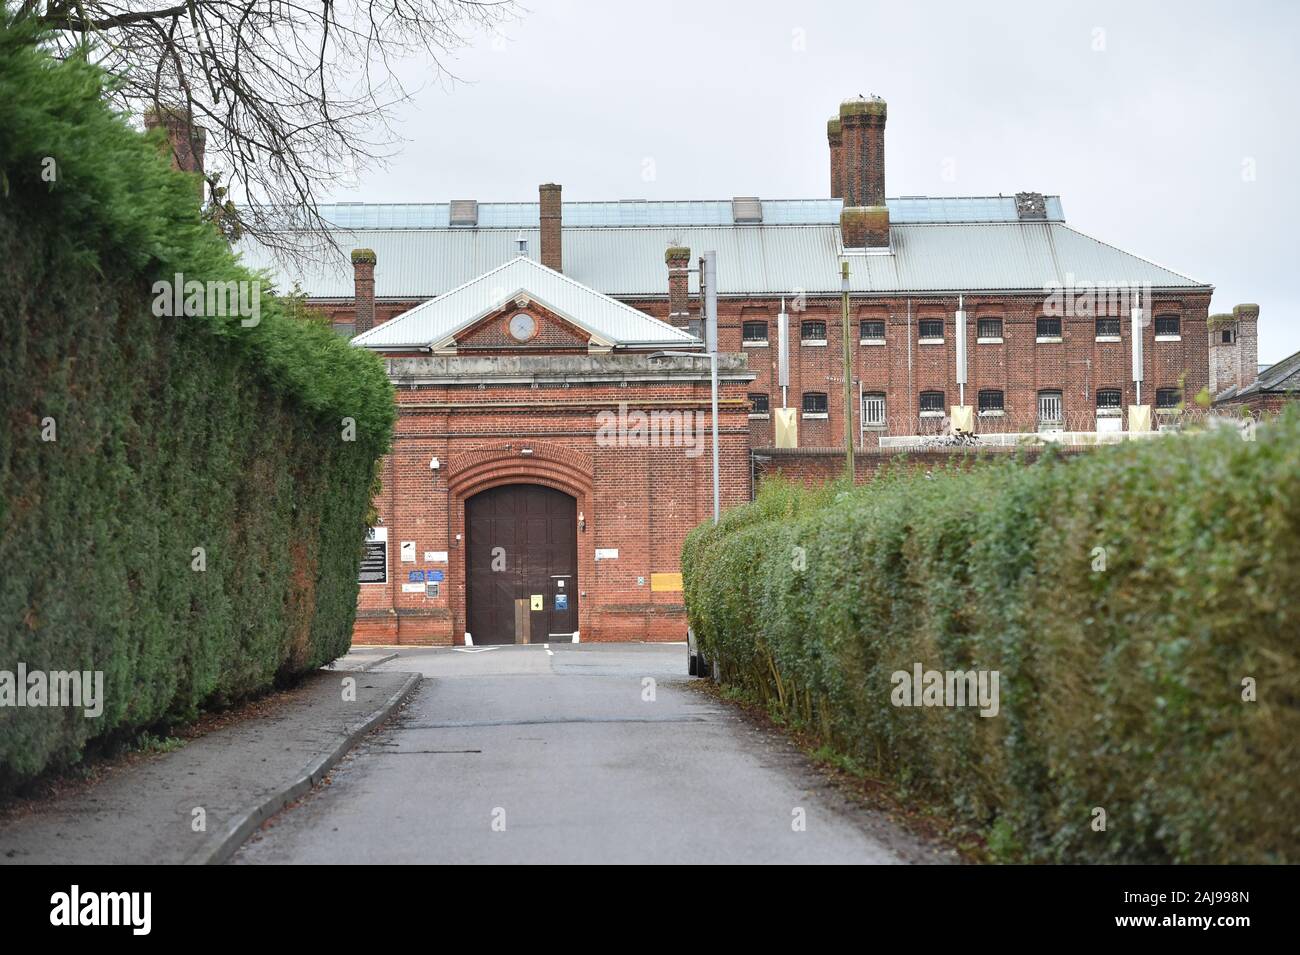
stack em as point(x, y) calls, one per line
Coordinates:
point(1168, 397)
point(757, 403)
point(991, 400)
point(1050, 410)
point(814, 402)
point(754, 331)
point(1167, 325)
point(1049, 327)
point(990, 328)
point(1109, 398)
point(871, 329)
point(873, 408)
point(930, 327)
point(1108, 328)
point(812, 332)
point(932, 401)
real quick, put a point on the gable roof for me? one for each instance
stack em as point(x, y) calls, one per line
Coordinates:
point(938, 246)
point(610, 323)
point(1282, 376)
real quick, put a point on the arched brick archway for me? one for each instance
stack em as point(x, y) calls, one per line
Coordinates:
point(473, 472)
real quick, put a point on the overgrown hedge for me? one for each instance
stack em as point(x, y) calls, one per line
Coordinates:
point(1120, 688)
point(172, 434)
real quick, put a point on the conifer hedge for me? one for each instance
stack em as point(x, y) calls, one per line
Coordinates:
point(1123, 671)
point(170, 434)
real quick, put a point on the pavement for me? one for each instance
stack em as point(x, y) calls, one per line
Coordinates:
point(564, 753)
point(198, 803)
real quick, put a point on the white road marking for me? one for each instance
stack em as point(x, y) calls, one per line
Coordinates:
point(473, 649)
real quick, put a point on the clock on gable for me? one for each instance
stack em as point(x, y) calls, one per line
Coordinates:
point(522, 327)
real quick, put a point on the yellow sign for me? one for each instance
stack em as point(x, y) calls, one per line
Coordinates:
point(537, 601)
point(667, 582)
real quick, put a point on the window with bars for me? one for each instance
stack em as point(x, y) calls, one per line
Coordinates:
point(757, 403)
point(812, 332)
point(814, 402)
point(930, 328)
point(754, 331)
point(1049, 327)
point(1168, 398)
point(870, 329)
point(873, 409)
point(931, 402)
point(991, 400)
point(989, 328)
point(1050, 410)
point(1168, 325)
point(1108, 328)
point(1109, 399)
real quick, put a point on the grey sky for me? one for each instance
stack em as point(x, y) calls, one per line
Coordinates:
point(1167, 134)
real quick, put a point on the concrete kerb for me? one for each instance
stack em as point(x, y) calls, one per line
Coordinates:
point(239, 829)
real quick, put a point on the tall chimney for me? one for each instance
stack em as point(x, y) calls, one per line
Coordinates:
point(552, 232)
point(864, 222)
point(363, 277)
point(836, 140)
point(1247, 317)
point(187, 140)
point(678, 259)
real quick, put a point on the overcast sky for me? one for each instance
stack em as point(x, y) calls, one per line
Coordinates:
point(1166, 128)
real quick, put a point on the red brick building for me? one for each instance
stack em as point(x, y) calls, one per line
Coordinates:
point(510, 328)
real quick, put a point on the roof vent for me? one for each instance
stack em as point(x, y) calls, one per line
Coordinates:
point(1031, 205)
point(464, 212)
point(746, 209)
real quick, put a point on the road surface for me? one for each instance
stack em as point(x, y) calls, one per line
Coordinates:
point(573, 754)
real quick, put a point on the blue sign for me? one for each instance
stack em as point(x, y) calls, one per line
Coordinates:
point(561, 601)
point(433, 575)
point(416, 576)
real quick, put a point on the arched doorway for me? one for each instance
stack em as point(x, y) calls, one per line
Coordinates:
point(522, 564)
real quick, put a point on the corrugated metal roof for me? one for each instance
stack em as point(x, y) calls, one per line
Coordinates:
point(641, 212)
point(764, 259)
point(608, 320)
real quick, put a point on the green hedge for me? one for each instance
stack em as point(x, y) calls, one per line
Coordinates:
point(172, 434)
point(1120, 688)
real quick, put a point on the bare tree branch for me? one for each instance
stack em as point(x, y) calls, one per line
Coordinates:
point(295, 96)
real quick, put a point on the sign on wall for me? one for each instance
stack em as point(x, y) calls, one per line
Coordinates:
point(374, 561)
point(408, 552)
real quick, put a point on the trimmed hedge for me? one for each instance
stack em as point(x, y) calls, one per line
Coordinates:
point(1120, 688)
point(172, 434)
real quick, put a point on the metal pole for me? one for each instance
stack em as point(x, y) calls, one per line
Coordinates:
point(709, 282)
point(713, 375)
point(848, 371)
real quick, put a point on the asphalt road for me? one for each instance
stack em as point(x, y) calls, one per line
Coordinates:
point(573, 754)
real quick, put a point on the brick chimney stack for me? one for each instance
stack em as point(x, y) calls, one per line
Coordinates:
point(678, 260)
point(836, 141)
point(363, 276)
point(1247, 317)
point(865, 220)
point(187, 140)
point(551, 210)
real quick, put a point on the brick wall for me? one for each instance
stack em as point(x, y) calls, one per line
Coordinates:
point(640, 500)
point(813, 467)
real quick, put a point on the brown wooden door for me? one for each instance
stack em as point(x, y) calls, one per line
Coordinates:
point(522, 545)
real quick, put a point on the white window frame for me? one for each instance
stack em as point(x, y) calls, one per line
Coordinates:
point(874, 401)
